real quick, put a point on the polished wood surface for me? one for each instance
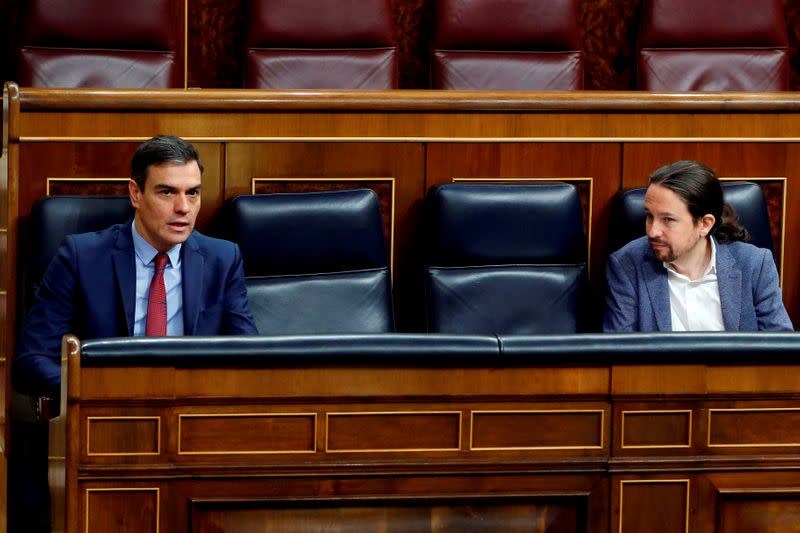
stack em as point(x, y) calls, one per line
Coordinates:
point(428, 455)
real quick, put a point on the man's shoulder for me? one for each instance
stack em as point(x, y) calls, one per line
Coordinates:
point(744, 253)
point(205, 244)
point(100, 239)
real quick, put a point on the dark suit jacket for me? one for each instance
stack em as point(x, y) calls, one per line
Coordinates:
point(638, 290)
point(89, 289)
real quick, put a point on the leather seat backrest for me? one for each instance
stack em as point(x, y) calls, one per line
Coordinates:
point(91, 43)
point(505, 259)
point(314, 262)
point(320, 44)
point(746, 197)
point(507, 44)
point(52, 218)
point(713, 45)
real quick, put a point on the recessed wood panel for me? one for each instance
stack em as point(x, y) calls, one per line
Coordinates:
point(516, 430)
point(246, 433)
point(654, 506)
point(122, 509)
point(656, 429)
point(774, 512)
point(393, 431)
point(467, 515)
point(87, 186)
point(753, 427)
point(123, 435)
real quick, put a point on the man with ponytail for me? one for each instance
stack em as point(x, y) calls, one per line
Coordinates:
point(694, 270)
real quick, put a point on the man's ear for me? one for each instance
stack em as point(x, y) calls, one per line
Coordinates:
point(133, 193)
point(706, 223)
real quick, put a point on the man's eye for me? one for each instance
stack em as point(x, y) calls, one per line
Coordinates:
point(193, 193)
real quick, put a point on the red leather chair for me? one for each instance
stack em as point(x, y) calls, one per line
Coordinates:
point(94, 43)
point(507, 44)
point(320, 44)
point(713, 45)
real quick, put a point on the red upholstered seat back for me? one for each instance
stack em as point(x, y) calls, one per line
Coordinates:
point(94, 43)
point(320, 44)
point(507, 44)
point(713, 45)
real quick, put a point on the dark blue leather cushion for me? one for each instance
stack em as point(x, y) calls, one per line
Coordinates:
point(505, 259)
point(516, 300)
point(351, 302)
point(315, 262)
point(746, 197)
point(53, 218)
point(308, 233)
point(505, 224)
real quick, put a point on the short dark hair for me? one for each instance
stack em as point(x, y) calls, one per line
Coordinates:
point(699, 187)
point(159, 150)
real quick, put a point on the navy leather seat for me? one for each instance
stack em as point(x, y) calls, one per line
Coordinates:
point(746, 197)
point(314, 262)
point(505, 259)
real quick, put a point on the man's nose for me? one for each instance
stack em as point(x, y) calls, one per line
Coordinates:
point(653, 229)
point(181, 203)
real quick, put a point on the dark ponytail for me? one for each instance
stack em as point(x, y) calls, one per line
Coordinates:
point(729, 229)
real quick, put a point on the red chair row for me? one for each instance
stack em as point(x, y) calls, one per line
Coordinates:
point(684, 45)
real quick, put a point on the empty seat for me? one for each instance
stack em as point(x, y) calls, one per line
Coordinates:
point(320, 44)
point(507, 44)
point(713, 45)
point(90, 43)
point(314, 262)
point(747, 198)
point(505, 259)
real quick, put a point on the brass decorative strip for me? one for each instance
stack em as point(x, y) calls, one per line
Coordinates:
point(183, 416)
point(599, 446)
point(91, 419)
point(655, 446)
point(753, 444)
point(87, 180)
point(126, 489)
point(384, 139)
point(392, 413)
point(623, 482)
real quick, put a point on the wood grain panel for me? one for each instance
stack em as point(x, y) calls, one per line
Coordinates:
point(86, 168)
point(754, 427)
point(122, 509)
point(655, 506)
point(656, 429)
point(520, 430)
point(467, 515)
point(393, 431)
point(757, 510)
point(246, 433)
point(404, 163)
point(123, 435)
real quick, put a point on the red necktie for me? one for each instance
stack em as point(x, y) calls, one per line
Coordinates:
point(157, 300)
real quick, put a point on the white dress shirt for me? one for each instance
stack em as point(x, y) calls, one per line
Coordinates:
point(694, 304)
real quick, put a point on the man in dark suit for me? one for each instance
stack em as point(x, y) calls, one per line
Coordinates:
point(692, 272)
point(154, 275)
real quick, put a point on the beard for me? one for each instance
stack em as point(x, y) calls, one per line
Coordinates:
point(663, 251)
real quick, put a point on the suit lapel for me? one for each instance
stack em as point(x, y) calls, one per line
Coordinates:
point(658, 289)
point(729, 280)
point(192, 262)
point(125, 273)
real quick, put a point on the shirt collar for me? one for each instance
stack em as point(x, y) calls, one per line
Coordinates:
point(711, 268)
point(146, 252)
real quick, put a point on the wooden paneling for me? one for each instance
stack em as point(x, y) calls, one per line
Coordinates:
point(243, 433)
point(553, 429)
point(755, 511)
point(121, 509)
point(657, 506)
point(753, 427)
point(656, 429)
point(484, 515)
point(393, 431)
point(120, 436)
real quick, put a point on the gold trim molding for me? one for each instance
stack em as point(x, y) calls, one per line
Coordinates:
point(622, 444)
point(652, 481)
point(125, 489)
point(536, 411)
point(90, 419)
point(746, 410)
point(392, 413)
